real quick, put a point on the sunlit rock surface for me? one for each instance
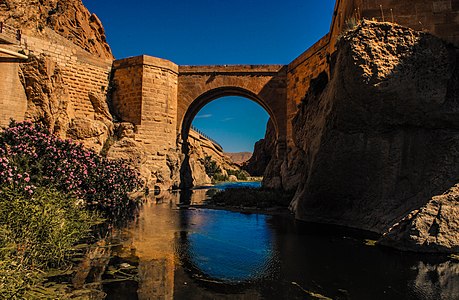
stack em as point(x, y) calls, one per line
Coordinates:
point(200, 147)
point(432, 228)
point(69, 18)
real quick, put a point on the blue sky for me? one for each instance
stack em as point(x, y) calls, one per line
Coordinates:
point(213, 32)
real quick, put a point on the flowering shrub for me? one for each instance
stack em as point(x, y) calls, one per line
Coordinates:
point(30, 157)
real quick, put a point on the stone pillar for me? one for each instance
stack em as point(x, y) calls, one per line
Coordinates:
point(145, 94)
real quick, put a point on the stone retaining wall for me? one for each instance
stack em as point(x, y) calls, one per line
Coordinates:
point(83, 73)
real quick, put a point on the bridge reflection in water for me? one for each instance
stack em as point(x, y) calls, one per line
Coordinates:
point(185, 253)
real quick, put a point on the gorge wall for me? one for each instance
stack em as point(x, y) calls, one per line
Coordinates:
point(380, 139)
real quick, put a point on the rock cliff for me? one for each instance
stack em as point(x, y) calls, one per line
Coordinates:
point(380, 140)
point(432, 228)
point(239, 158)
point(262, 152)
point(69, 18)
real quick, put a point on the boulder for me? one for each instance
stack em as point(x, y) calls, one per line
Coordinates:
point(232, 178)
point(91, 133)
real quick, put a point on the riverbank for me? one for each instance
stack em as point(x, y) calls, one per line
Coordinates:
point(247, 210)
point(244, 197)
point(55, 198)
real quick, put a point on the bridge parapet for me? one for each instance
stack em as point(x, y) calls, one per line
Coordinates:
point(231, 69)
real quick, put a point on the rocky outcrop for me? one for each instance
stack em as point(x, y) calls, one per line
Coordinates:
point(124, 146)
point(432, 228)
point(49, 102)
point(48, 99)
point(381, 138)
point(262, 152)
point(94, 131)
point(200, 147)
point(69, 18)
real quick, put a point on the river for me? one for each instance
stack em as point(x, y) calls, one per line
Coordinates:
point(183, 252)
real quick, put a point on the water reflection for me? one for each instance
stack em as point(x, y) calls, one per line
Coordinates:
point(437, 281)
point(240, 245)
point(188, 253)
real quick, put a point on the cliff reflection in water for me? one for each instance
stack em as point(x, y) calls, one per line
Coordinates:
point(187, 253)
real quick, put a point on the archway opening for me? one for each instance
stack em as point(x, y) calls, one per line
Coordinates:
point(219, 133)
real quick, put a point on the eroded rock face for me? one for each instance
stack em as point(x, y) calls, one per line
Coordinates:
point(124, 146)
point(432, 228)
point(262, 152)
point(48, 99)
point(49, 102)
point(69, 18)
point(381, 138)
point(200, 147)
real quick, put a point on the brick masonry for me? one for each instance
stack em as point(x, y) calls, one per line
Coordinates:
point(13, 100)
point(83, 73)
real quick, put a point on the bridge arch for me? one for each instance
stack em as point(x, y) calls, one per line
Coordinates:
point(264, 84)
point(217, 93)
point(200, 85)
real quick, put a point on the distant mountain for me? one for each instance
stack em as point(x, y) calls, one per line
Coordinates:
point(239, 157)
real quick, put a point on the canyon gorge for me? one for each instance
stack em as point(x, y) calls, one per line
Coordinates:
point(364, 124)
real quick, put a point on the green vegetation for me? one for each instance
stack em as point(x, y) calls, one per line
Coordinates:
point(42, 228)
point(240, 174)
point(211, 167)
point(37, 233)
point(251, 197)
point(52, 192)
point(217, 175)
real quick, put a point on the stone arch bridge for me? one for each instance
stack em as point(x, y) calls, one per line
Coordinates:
point(161, 99)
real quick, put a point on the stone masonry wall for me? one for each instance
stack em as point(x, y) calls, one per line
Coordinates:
point(439, 17)
point(300, 72)
point(83, 73)
point(127, 87)
point(146, 95)
point(159, 110)
point(13, 101)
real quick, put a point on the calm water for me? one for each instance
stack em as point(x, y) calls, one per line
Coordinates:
point(188, 253)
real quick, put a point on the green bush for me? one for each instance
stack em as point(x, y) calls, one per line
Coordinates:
point(219, 177)
point(210, 166)
point(16, 280)
point(37, 232)
point(240, 174)
point(41, 229)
